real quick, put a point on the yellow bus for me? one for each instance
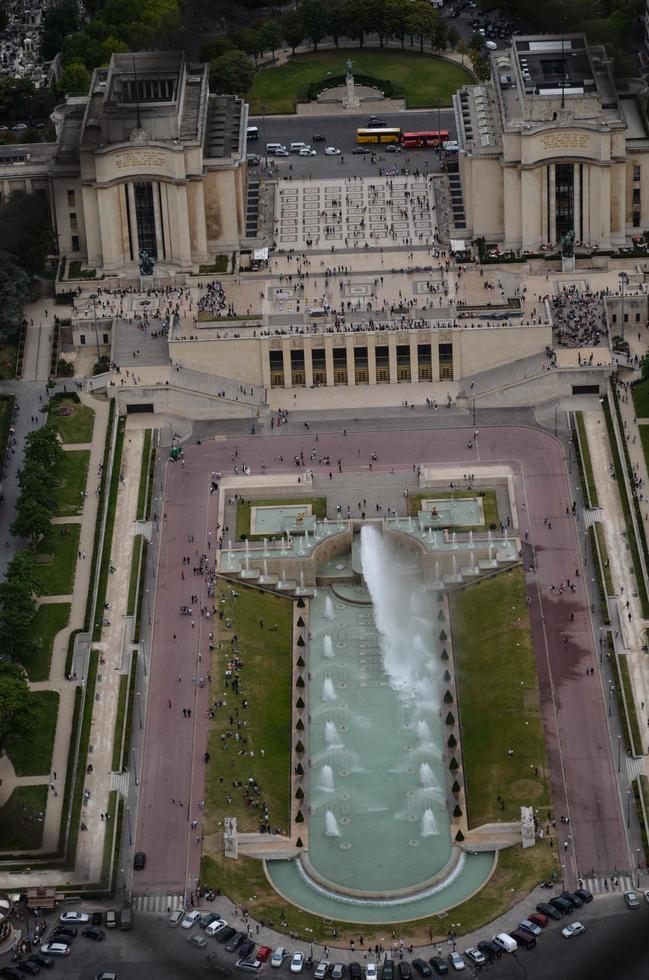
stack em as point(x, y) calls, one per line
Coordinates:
point(382, 135)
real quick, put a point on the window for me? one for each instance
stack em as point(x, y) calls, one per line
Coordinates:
point(145, 218)
point(105, 340)
point(564, 198)
point(82, 339)
point(636, 197)
point(75, 243)
point(71, 199)
point(73, 221)
point(276, 365)
point(636, 173)
point(636, 219)
point(446, 362)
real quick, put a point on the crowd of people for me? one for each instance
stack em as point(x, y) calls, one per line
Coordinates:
point(579, 319)
point(214, 300)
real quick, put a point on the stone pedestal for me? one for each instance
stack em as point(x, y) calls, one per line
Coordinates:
point(567, 263)
point(350, 101)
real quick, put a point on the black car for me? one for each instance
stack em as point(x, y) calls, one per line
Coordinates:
point(28, 967)
point(388, 969)
point(318, 138)
point(93, 932)
point(97, 918)
point(139, 861)
point(439, 965)
point(45, 961)
point(235, 941)
point(422, 968)
point(584, 895)
point(355, 971)
point(404, 970)
point(561, 905)
point(66, 934)
point(245, 949)
point(361, 149)
point(375, 123)
point(548, 910)
point(225, 933)
point(574, 900)
point(11, 973)
point(491, 950)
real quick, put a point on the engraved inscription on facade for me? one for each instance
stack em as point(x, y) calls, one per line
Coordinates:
point(145, 160)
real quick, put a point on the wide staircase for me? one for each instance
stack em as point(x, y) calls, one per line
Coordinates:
point(218, 387)
point(504, 375)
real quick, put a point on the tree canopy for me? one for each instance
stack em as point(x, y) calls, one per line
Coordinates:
point(18, 714)
point(231, 73)
point(25, 230)
point(14, 293)
point(61, 19)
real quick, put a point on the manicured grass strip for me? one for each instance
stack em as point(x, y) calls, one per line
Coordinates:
point(143, 488)
point(603, 552)
point(265, 682)
point(126, 747)
point(640, 395)
point(108, 836)
point(56, 558)
point(318, 509)
point(118, 739)
point(630, 726)
point(136, 558)
point(71, 767)
point(100, 510)
point(585, 462)
point(498, 700)
point(108, 530)
point(81, 758)
point(50, 619)
point(641, 796)
point(592, 537)
point(31, 754)
point(74, 428)
point(626, 509)
point(140, 592)
point(69, 657)
point(489, 505)
point(69, 478)
point(21, 828)
point(422, 77)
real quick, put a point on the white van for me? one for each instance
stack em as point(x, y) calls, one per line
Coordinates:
point(506, 942)
point(252, 132)
point(276, 148)
point(296, 147)
point(451, 146)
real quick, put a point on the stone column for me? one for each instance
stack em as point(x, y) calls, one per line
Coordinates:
point(265, 362)
point(286, 355)
point(159, 242)
point(585, 217)
point(512, 205)
point(329, 361)
point(198, 229)
point(576, 202)
point(531, 212)
point(92, 227)
point(308, 362)
point(371, 358)
point(351, 363)
point(179, 232)
point(131, 207)
point(434, 354)
point(166, 222)
point(392, 354)
point(552, 204)
point(414, 358)
point(110, 228)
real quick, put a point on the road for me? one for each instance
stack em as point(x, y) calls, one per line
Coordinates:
point(582, 771)
point(340, 131)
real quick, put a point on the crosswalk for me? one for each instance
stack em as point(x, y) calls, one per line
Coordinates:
point(157, 903)
point(596, 885)
point(635, 767)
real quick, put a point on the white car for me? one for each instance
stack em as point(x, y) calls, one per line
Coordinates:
point(279, 956)
point(74, 917)
point(297, 962)
point(321, 970)
point(306, 151)
point(456, 961)
point(190, 919)
point(176, 917)
point(55, 949)
point(332, 151)
point(214, 927)
point(646, 895)
point(281, 152)
point(371, 972)
point(197, 940)
point(572, 930)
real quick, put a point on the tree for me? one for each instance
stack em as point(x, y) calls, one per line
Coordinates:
point(644, 365)
point(16, 95)
point(59, 21)
point(481, 66)
point(293, 29)
point(315, 17)
point(396, 19)
point(31, 521)
point(17, 711)
point(270, 35)
point(215, 48)
point(43, 446)
point(25, 230)
point(231, 73)
point(421, 21)
point(14, 293)
point(452, 36)
point(22, 569)
point(75, 79)
point(359, 19)
point(438, 34)
point(462, 48)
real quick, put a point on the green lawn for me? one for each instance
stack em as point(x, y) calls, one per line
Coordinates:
point(20, 828)
point(69, 479)
point(422, 77)
point(585, 462)
point(76, 427)
point(56, 557)
point(31, 754)
point(640, 393)
point(498, 700)
point(265, 682)
point(8, 354)
point(144, 488)
point(50, 619)
point(489, 504)
point(318, 509)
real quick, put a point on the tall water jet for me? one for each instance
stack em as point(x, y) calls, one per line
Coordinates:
point(265, 568)
point(454, 558)
point(489, 536)
point(426, 777)
point(454, 539)
point(331, 824)
point(265, 547)
point(472, 566)
point(410, 523)
point(327, 779)
point(331, 733)
point(283, 551)
point(246, 545)
point(328, 690)
point(328, 646)
point(423, 731)
point(430, 533)
point(470, 539)
point(329, 608)
point(428, 825)
point(300, 547)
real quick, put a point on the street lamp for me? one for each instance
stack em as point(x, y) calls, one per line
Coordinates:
point(628, 809)
point(624, 279)
point(437, 102)
point(264, 107)
point(601, 645)
point(637, 850)
point(128, 820)
point(94, 297)
point(148, 607)
point(619, 753)
point(137, 782)
point(610, 699)
point(139, 710)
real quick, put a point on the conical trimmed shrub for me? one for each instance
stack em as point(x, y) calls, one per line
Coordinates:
point(299, 769)
point(450, 720)
point(300, 725)
point(300, 641)
point(448, 698)
point(300, 622)
point(299, 703)
point(299, 747)
point(440, 616)
point(447, 676)
point(452, 741)
point(300, 661)
point(299, 817)
point(459, 836)
point(299, 793)
point(444, 654)
point(456, 788)
point(443, 637)
point(301, 603)
point(457, 812)
point(299, 843)
point(454, 765)
point(300, 681)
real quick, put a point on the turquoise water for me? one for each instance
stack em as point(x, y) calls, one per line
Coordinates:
point(451, 511)
point(277, 520)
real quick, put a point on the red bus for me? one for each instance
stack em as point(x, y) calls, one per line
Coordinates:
point(429, 140)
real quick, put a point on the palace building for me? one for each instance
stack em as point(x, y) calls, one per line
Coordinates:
point(550, 145)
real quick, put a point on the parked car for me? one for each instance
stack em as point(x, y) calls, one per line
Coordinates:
point(355, 972)
point(215, 927)
point(111, 919)
point(235, 941)
point(139, 861)
point(573, 900)
point(94, 933)
point(297, 962)
point(196, 939)
point(337, 971)
point(224, 933)
point(538, 919)
point(74, 917)
point(245, 949)
point(206, 919)
point(371, 972)
point(307, 151)
point(26, 967)
point(524, 939)
point(97, 918)
point(422, 967)
point(631, 899)
point(456, 961)
point(318, 138)
point(263, 953)
point(548, 910)
point(561, 904)
point(405, 973)
point(531, 927)
point(490, 949)
point(56, 949)
point(476, 957)
point(584, 894)
point(176, 917)
point(190, 919)
point(332, 151)
point(646, 895)
point(362, 150)
point(505, 941)
point(439, 965)
point(11, 973)
point(573, 929)
point(67, 933)
point(321, 969)
point(279, 955)
point(46, 962)
point(249, 965)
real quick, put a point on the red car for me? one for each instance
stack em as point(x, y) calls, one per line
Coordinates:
point(538, 919)
point(263, 953)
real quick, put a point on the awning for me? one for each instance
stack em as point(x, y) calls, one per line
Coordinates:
point(260, 254)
